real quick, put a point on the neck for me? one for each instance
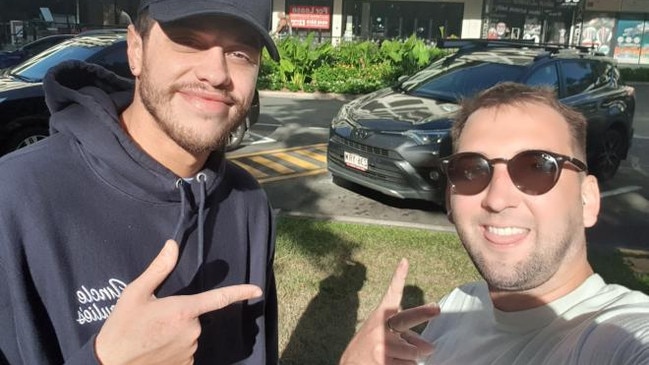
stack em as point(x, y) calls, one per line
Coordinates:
point(141, 126)
point(562, 283)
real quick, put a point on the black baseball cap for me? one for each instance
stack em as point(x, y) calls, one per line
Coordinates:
point(255, 13)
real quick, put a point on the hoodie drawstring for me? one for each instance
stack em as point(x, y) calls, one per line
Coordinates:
point(202, 183)
point(183, 203)
point(201, 178)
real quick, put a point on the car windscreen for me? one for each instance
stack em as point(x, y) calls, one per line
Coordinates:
point(459, 79)
point(34, 69)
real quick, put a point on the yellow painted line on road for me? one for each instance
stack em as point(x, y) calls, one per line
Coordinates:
point(253, 171)
point(310, 154)
point(296, 161)
point(286, 177)
point(284, 163)
point(271, 164)
point(319, 146)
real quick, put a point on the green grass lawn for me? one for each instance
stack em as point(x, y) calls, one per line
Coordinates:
point(330, 275)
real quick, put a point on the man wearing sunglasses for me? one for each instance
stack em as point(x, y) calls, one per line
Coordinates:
point(520, 197)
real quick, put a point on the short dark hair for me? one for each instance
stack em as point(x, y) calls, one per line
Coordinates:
point(514, 94)
point(143, 23)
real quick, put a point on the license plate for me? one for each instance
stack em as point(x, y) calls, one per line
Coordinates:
point(356, 161)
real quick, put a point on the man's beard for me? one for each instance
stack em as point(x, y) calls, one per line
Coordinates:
point(157, 101)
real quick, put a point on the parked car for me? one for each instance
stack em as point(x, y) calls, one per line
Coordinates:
point(392, 140)
point(23, 114)
point(28, 50)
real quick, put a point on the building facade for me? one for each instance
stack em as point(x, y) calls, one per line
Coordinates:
point(618, 28)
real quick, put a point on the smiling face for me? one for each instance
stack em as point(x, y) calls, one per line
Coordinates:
point(521, 242)
point(195, 79)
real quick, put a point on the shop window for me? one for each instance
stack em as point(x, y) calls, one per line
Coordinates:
point(379, 20)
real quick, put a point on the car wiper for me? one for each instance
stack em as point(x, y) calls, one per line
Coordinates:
point(21, 77)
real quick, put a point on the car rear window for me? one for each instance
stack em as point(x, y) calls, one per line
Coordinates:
point(34, 69)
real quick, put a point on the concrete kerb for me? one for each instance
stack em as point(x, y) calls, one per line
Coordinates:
point(368, 221)
point(307, 96)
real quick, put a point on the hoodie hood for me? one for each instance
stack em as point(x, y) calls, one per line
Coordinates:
point(85, 101)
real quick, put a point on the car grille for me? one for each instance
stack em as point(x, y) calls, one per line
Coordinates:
point(381, 166)
point(364, 148)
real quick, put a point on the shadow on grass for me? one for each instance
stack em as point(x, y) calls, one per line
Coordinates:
point(329, 321)
point(615, 267)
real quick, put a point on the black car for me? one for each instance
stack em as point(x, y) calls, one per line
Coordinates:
point(392, 140)
point(28, 50)
point(23, 114)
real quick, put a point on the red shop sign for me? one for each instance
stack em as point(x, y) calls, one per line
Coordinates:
point(312, 17)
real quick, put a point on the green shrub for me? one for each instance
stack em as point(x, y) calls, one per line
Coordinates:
point(348, 79)
point(351, 67)
point(635, 73)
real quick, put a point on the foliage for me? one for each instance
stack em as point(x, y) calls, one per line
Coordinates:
point(635, 73)
point(350, 67)
point(357, 67)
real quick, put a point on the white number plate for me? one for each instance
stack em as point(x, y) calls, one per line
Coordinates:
point(356, 161)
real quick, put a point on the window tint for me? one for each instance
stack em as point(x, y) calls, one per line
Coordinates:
point(578, 76)
point(35, 68)
point(545, 76)
point(460, 79)
point(607, 74)
point(115, 60)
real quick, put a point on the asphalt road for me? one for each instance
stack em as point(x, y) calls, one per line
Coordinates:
point(289, 121)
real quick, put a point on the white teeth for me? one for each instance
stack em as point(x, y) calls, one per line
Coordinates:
point(505, 231)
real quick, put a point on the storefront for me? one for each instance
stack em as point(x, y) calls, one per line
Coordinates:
point(617, 28)
point(340, 20)
point(399, 20)
point(540, 21)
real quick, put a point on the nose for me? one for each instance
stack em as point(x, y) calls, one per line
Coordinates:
point(501, 193)
point(212, 68)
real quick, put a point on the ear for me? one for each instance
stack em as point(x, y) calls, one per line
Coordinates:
point(135, 50)
point(590, 199)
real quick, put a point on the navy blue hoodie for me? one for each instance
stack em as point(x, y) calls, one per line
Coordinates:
point(83, 213)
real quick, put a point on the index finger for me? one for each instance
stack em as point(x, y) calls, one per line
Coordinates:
point(408, 318)
point(392, 297)
point(214, 299)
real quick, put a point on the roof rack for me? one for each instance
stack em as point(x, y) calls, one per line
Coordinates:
point(103, 31)
point(472, 44)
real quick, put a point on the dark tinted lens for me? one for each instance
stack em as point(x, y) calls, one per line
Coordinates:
point(533, 172)
point(469, 173)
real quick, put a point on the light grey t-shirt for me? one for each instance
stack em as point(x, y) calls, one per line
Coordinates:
point(595, 324)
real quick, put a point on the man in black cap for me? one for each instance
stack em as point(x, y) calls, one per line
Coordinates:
point(139, 242)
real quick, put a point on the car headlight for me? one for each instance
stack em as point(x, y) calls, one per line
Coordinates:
point(426, 137)
point(341, 118)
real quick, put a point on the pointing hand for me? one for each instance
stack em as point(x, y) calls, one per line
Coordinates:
point(385, 337)
point(144, 329)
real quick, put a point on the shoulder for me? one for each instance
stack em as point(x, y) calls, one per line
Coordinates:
point(34, 164)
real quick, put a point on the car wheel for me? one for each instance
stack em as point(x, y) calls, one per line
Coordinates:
point(25, 137)
point(236, 137)
point(609, 155)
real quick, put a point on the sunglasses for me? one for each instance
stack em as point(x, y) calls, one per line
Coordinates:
point(534, 172)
